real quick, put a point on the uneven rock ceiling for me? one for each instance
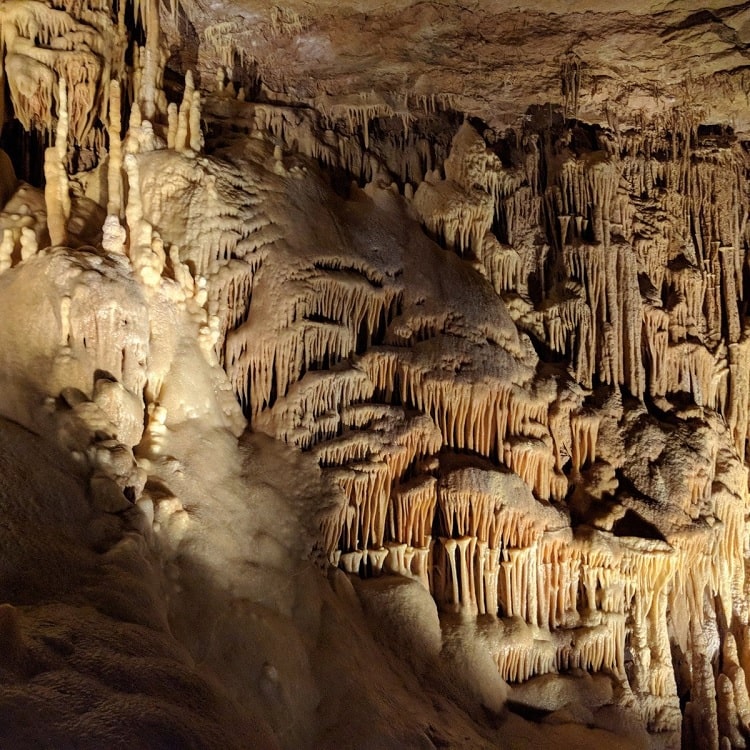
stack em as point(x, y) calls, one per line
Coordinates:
point(496, 60)
point(374, 375)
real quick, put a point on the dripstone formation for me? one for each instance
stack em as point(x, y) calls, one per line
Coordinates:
point(394, 361)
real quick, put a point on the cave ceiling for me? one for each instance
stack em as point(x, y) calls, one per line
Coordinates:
point(601, 62)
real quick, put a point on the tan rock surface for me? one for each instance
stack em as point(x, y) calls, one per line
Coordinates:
point(448, 297)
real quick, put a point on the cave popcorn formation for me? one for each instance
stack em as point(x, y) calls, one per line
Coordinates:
point(505, 373)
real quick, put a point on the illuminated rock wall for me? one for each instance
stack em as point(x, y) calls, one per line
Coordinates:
point(516, 360)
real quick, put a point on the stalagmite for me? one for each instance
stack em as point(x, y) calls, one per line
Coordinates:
point(28, 243)
point(173, 120)
point(113, 235)
point(56, 192)
point(151, 95)
point(134, 208)
point(183, 135)
point(114, 167)
point(196, 135)
point(7, 245)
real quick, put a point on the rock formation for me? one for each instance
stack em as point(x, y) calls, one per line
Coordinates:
point(374, 375)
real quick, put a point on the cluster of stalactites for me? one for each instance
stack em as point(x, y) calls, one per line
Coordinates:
point(584, 196)
point(85, 45)
point(405, 153)
point(387, 526)
point(499, 420)
point(503, 557)
point(610, 285)
point(481, 529)
point(477, 190)
point(703, 191)
point(594, 203)
point(310, 412)
point(457, 217)
point(616, 219)
point(500, 552)
point(262, 367)
point(329, 411)
point(42, 45)
point(689, 343)
point(323, 324)
point(582, 596)
point(384, 525)
point(357, 113)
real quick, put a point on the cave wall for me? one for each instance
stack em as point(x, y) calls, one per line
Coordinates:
point(494, 308)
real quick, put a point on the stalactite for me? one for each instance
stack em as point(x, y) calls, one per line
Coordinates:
point(609, 276)
point(412, 511)
point(585, 428)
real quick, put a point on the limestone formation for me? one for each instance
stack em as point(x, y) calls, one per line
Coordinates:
point(396, 349)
